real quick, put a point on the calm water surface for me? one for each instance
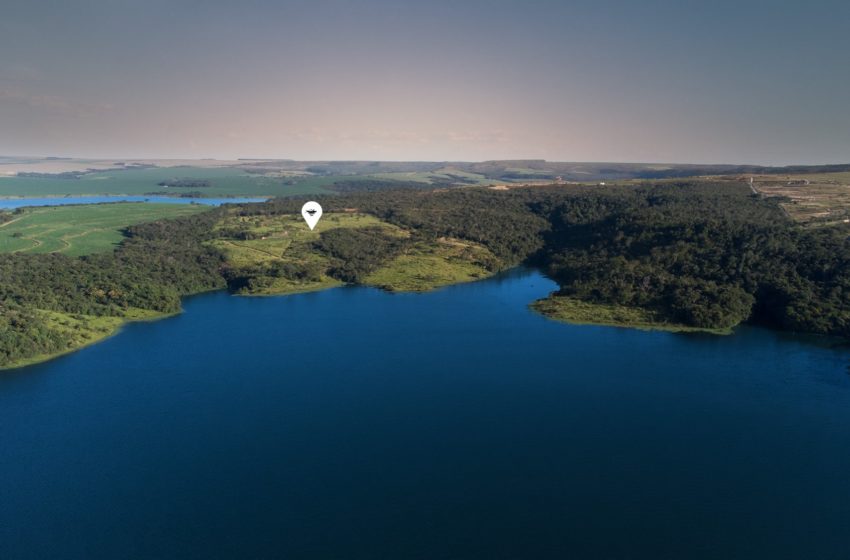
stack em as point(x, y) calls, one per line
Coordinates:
point(11, 203)
point(355, 424)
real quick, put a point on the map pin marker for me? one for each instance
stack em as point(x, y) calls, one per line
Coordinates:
point(311, 212)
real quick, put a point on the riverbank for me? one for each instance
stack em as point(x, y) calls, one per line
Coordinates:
point(277, 255)
point(301, 406)
point(89, 330)
point(84, 331)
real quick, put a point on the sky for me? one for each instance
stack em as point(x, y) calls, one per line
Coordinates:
point(765, 82)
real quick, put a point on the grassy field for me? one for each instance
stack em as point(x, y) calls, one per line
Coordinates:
point(286, 239)
point(224, 181)
point(448, 173)
point(430, 266)
point(83, 229)
point(578, 312)
point(813, 199)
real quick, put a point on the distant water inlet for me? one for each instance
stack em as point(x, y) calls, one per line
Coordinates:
point(11, 203)
point(353, 423)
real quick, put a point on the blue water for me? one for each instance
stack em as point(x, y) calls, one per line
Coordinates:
point(11, 203)
point(354, 424)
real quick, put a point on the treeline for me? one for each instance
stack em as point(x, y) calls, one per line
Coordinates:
point(696, 253)
point(509, 223)
point(377, 185)
point(153, 269)
point(354, 253)
point(156, 265)
point(185, 183)
point(24, 334)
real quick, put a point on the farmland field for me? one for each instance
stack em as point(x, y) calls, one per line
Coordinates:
point(81, 230)
point(426, 266)
point(810, 198)
point(222, 181)
point(444, 174)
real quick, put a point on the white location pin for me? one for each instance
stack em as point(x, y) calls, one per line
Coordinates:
point(311, 212)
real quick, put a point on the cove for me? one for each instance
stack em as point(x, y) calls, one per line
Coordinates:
point(353, 423)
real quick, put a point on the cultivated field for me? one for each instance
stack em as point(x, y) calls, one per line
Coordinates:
point(446, 174)
point(222, 181)
point(83, 229)
point(429, 265)
point(814, 199)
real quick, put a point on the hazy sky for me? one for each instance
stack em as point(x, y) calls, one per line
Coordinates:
point(655, 80)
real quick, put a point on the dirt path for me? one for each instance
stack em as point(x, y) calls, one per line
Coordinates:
point(37, 242)
point(12, 221)
point(269, 253)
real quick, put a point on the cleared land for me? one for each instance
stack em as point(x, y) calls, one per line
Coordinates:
point(273, 242)
point(223, 181)
point(813, 199)
point(81, 230)
point(426, 266)
point(446, 174)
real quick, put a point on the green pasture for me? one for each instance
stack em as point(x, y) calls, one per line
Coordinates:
point(224, 181)
point(427, 266)
point(81, 229)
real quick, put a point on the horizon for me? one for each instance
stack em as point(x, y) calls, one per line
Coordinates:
point(446, 161)
point(375, 80)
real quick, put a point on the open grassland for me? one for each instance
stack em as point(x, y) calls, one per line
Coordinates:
point(446, 174)
point(222, 181)
point(270, 242)
point(579, 312)
point(81, 230)
point(813, 199)
point(272, 238)
point(281, 255)
point(426, 266)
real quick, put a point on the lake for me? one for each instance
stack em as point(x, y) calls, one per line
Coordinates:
point(353, 423)
point(12, 203)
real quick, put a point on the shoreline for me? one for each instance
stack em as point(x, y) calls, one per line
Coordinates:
point(575, 311)
point(561, 309)
point(124, 321)
point(42, 358)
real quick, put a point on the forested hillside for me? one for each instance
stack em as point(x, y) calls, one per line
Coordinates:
point(700, 254)
point(695, 253)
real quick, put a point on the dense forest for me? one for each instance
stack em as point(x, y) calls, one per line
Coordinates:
point(702, 255)
point(696, 253)
point(156, 265)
